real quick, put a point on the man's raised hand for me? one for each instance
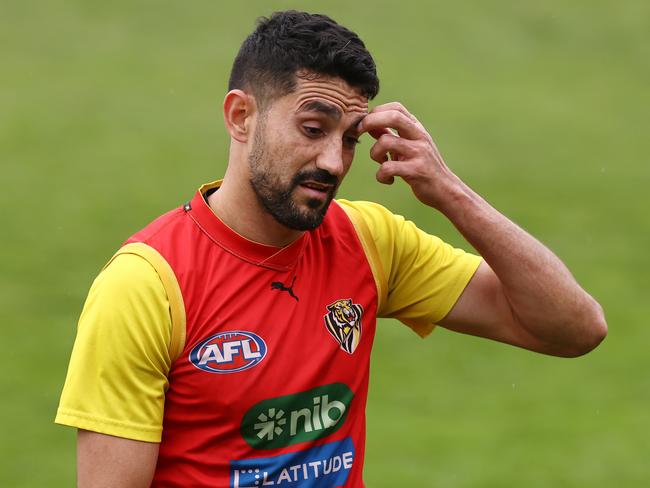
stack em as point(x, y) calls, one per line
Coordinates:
point(404, 148)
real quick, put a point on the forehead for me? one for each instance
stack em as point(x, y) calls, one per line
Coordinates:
point(328, 90)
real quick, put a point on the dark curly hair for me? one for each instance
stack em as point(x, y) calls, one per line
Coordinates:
point(290, 41)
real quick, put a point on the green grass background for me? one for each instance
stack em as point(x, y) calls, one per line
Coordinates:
point(110, 115)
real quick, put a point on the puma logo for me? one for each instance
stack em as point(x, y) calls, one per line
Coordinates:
point(277, 285)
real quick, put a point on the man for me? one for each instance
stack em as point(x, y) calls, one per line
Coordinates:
point(228, 342)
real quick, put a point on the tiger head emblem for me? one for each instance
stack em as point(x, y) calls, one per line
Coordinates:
point(343, 321)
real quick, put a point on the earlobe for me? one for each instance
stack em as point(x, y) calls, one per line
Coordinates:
point(238, 108)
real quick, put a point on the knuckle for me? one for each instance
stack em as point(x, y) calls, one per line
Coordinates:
point(395, 116)
point(397, 119)
point(385, 139)
point(421, 145)
point(377, 154)
point(386, 170)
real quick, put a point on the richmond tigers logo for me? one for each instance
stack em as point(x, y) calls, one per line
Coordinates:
point(344, 323)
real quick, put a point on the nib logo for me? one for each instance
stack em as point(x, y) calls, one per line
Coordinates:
point(291, 419)
point(269, 424)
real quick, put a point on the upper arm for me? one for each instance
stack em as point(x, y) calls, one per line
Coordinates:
point(483, 310)
point(117, 376)
point(104, 461)
point(419, 277)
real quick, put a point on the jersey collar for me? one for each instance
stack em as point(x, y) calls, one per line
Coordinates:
point(278, 258)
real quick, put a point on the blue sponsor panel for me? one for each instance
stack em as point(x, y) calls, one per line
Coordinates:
point(323, 466)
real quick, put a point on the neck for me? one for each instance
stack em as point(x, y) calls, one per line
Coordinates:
point(236, 204)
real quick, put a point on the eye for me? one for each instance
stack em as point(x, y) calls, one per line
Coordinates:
point(350, 141)
point(312, 131)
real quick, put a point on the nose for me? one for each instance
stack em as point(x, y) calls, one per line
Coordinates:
point(330, 159)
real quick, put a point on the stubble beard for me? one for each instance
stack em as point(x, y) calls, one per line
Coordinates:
point(277, 197)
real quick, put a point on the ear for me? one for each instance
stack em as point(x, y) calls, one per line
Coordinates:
point(238, 111)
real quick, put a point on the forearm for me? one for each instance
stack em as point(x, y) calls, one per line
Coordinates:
point(525, 296)
point(540, 291)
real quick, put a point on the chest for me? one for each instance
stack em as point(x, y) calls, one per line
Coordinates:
point(256, 333)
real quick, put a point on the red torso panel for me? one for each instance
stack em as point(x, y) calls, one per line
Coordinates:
point(271, 387)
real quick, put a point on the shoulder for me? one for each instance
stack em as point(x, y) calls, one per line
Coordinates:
point(372, 217)
point(366, 208)
point(165, 223)
point(128, 285)
point(127, 269)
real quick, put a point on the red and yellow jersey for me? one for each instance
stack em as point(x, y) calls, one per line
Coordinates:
point(249, 363)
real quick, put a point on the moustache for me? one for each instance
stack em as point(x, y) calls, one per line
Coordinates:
point(319, 175)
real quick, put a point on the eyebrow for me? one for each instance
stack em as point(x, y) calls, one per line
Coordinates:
point(324, 108)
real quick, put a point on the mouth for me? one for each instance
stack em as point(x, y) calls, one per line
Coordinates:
point(316, 185)
point(316, 189)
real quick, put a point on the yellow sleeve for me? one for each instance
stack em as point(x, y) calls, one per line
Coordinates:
point(419, 277)
point(117, 376)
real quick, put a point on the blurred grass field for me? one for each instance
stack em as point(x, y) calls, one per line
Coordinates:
point(110, 115)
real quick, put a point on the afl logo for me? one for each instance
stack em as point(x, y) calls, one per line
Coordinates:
point(228, 352)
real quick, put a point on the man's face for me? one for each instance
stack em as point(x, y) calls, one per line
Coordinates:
point(302, 148)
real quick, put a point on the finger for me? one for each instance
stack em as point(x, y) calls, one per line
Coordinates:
point(386, 173)
point(394, 106)
point(390, 146)
point(377, 133)
point(398, 107)
point(391, 119)
point(385, 180)
point(389, 170)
